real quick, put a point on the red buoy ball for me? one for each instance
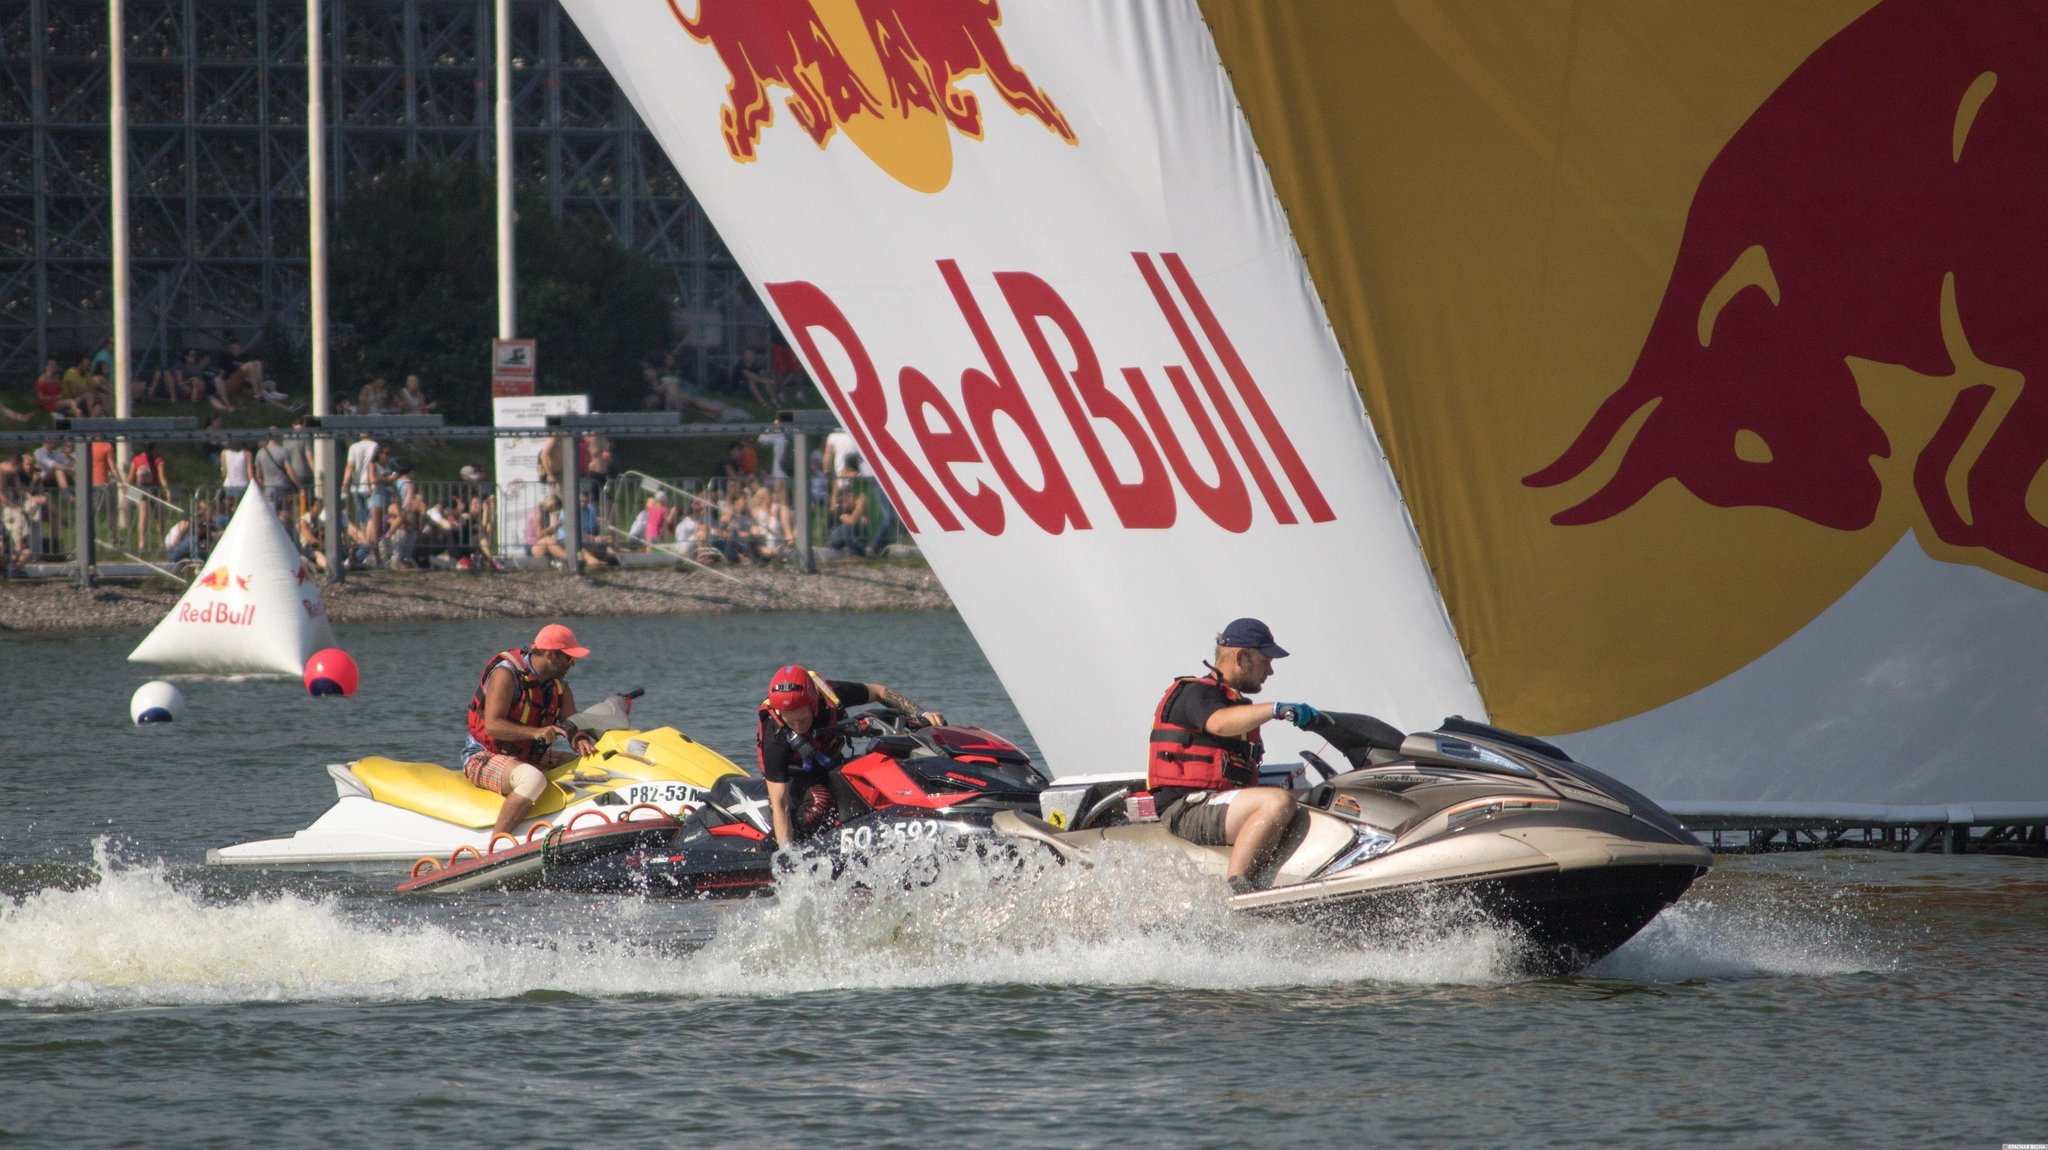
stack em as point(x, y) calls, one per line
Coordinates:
point(331, 672)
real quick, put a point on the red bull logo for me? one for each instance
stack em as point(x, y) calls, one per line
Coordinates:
point(214, 580)
point(218, 613)
point(1862, 278)
point(886, 72)
point(1266, 470)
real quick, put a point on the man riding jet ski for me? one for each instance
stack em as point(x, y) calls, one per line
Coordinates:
point(1469, 819)
point(912, 786)
point(391, 814)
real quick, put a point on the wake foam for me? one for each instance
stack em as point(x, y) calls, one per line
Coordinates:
point(1723, 930)
point(1132, 918)
point(132, 935)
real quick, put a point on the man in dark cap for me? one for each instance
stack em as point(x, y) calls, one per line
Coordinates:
point(1202, 762)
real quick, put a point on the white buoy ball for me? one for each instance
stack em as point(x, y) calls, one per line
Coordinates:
point(156, 702)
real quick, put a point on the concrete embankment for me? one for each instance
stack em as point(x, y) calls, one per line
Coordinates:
point(379, 595)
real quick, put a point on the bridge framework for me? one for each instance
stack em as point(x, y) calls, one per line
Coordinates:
point(217, 155)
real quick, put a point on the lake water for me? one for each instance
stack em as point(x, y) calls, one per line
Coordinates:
point(147, 1000)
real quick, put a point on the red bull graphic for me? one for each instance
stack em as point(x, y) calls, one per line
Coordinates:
point(1880, 221)
point(242, 616)
point(946, 441)
point(214, 580)
point(886, 72)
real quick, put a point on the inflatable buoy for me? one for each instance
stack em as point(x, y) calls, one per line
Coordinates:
point(254, 609)
point(156, 702)
point(331, 672)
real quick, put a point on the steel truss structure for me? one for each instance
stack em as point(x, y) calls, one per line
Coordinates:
point(217, 162)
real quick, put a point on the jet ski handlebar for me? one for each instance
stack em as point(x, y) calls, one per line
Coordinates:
point(875, 724)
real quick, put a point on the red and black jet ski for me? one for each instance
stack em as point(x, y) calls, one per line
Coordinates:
point(913, 786)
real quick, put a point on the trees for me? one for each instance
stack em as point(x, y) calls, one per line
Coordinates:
point(414, 288)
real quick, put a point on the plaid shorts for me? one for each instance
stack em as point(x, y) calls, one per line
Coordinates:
point(493, 772)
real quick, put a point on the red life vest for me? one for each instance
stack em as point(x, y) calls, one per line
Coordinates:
point(1180, 756)
point(538, 704)
point(823, 756)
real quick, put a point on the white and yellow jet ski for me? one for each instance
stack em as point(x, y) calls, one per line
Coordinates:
point(391, 815)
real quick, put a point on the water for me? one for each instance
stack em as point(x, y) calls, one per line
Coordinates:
point(149, 1001)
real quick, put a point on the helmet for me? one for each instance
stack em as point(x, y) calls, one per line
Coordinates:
point(792, 689)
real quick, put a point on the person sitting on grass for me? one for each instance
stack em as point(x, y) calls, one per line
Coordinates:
point(543, 530)
point(413, 401)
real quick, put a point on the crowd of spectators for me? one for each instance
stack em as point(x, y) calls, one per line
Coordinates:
point(741, 515)
point(766, 377)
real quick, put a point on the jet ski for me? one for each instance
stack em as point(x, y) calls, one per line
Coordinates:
point(389, 814)
point(912, 788)
point(1469, 817)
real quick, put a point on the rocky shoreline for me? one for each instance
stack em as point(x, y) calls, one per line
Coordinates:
point(384, 595)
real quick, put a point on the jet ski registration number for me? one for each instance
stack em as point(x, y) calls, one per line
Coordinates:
point(889, 834)
point(659, 793)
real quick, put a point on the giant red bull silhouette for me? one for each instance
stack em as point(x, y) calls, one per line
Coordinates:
point(887, 71)
point(1887, 203)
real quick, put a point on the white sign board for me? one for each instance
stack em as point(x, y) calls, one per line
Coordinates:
point(519, 487)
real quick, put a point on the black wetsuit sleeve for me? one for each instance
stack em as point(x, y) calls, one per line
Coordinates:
point(852, 693)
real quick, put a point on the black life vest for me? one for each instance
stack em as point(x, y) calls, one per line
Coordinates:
point(1180, 756)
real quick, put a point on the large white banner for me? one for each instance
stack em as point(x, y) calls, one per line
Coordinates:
point(1035, 264)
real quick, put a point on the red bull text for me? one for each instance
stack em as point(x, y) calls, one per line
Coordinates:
point(1221, 383)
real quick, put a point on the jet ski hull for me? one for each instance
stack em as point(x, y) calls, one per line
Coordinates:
point(1564, 921)
point(527, 865)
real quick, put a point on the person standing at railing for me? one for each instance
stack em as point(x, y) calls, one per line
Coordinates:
point(15, 534)
point(234, 474)
point(145, 485)
point(359, 478)
point(299, 461)
point(274, 475)
point(483, 529)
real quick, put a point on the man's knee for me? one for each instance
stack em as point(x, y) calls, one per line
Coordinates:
point(526, 781)
point(1257, 808)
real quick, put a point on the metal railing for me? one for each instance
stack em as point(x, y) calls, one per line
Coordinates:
point(707, 523)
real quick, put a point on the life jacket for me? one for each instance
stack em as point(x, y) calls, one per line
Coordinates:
point(826, 711)
point(538, 704)
point(1178, 756)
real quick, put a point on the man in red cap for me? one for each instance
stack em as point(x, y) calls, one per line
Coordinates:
point(1202, 760)
point(795, 761)
point(516, 715)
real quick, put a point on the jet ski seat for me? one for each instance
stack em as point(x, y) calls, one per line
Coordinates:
point(442, 793)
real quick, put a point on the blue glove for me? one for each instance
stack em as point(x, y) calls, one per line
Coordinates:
point(1300, 714)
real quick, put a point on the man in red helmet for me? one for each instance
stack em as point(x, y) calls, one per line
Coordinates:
point(516, 715)
point(795, 761)
point(1202, 762)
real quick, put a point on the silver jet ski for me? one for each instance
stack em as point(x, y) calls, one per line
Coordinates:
point(1467, 817)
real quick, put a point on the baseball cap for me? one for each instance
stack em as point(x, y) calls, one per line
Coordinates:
point(470, 473)
point(1251, 633)
point(555, 637)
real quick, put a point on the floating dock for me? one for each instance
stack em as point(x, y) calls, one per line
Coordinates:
point(1947, 828)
